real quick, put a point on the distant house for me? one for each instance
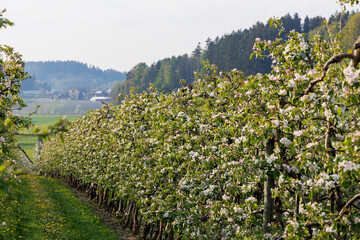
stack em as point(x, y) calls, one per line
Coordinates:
point(99, 93)
point(99, 99)
point(74, 91)
point(77, 94)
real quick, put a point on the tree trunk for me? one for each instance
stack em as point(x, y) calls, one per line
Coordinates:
point(268, 185)
point(145, 231)
point(355, 61)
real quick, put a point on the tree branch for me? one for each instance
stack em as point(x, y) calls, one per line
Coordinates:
point(335, 59)
point(347, 205)
point(341, 214)
point(2, 91)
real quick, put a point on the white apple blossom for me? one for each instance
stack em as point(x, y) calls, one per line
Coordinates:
point(298, 133)
point(285, 141)
point(276, 122)
point(330, 229)
point(270, 159)
point(224, 211)
point(166, 215)
point(348, 166)
point(250, 199)
point(303, 45)
point(291, 83)
point(328, 113)
point(225, 197)
point(182, 114)
point(283, 92)
point(351, 76)
point(238, 210)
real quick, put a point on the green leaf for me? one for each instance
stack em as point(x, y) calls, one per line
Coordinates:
point(251, 55)
point(345, 184)
point(339, 112)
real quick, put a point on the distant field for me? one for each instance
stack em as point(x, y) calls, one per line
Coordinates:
point(42, 121)
point(50, 106)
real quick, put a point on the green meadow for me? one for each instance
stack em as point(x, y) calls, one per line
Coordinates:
point(42, 122)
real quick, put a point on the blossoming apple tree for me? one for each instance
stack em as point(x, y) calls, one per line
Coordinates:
point(11, 74)
point(230, 157)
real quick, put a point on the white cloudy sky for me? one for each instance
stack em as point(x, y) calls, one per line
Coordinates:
point(119, 34)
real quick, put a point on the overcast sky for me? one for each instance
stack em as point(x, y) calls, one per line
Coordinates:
point(119, 34)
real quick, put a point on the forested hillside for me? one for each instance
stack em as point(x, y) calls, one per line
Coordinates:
point(228, 52)
point(69, 75)
point(351, 32)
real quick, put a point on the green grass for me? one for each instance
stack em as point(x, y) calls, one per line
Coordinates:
point(28, 144)
point(42, 208)
point(41, 121)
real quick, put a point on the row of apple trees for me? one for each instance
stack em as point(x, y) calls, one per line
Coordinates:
point(229, 156)
point(11, 74)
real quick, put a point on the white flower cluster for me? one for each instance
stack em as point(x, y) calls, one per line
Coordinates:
point(276, 122)
point(348, 166)
point(325, 181)
point(282, 92)
point(298, 133)
point(284, 111)
point(303, 45)
point(285, 141)
point(330, 229)
point(250, 199)
point(225, 197)
point(310, 145)
point(194, 155)
point(291, 83)
point(184, 185)
point(290, 169)
point(240, 139)
point(328, 113)
point(209, 191)
point(271, 158)
point(238, 210)
point(166, 215)
point(351, 76)
point(182, 114)
point(312, 166)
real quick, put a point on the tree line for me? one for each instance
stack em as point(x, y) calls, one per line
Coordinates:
point(69, 75)
point(227, 52)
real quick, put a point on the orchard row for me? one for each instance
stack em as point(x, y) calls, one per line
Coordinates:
point(229, 156)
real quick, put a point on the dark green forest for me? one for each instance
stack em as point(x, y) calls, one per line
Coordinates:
point(67, 75)
point(229, 51)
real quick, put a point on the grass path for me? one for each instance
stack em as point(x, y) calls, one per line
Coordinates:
point(42, 208)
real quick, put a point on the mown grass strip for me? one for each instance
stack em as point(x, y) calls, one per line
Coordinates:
point(42, 208)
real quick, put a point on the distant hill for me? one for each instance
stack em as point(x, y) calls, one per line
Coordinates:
point(67, 75)
point(349, 26)
point(227, 52)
